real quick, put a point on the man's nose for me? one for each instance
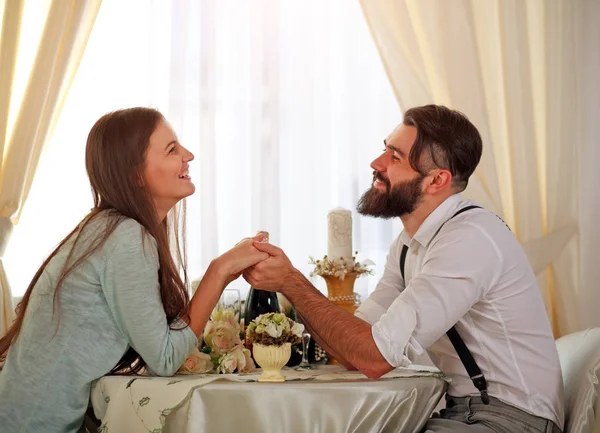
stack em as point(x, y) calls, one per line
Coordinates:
point(378, 163)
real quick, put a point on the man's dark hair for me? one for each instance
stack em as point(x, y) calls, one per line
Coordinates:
point(445, 139)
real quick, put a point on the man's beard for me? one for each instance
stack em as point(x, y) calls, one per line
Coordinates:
point(396, 201)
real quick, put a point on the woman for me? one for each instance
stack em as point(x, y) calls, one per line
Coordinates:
point(111, 298)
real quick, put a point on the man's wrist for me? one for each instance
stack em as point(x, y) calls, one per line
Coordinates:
point(293, 282)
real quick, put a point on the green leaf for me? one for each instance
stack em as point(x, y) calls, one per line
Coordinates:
point(206, 349)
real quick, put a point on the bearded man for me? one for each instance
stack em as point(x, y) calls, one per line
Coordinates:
point(456, 284)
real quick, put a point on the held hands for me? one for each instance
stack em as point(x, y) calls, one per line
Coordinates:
point(243, 255)
point(269, 274)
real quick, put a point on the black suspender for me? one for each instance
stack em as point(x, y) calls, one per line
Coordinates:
point(461, 348)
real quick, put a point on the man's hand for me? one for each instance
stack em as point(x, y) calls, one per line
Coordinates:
point(270, 274)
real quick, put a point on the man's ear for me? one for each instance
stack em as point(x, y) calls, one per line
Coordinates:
point(437, 180)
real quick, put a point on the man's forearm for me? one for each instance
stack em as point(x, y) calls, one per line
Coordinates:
point(347, 336)
point(324, 345)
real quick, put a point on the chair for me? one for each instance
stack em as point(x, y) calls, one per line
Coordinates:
point(579, 355)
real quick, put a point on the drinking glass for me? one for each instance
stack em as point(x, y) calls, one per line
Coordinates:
point(304, 364)
point(230, 298)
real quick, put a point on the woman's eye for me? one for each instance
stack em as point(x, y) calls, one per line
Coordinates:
point(171, 150)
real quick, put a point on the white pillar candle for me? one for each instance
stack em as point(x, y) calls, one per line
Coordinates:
point(339, 234)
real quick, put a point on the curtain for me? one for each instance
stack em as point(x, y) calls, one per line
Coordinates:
point(586, 73)
point(508, 66)
point(288, 104)
point(26, 122)
point(284, 105)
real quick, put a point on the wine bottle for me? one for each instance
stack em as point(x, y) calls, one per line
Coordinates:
point(260, 301)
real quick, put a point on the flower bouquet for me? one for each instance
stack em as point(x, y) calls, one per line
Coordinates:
point(271, 336)
point(224, 351)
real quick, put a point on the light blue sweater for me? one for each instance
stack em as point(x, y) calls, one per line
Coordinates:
point(107, 304)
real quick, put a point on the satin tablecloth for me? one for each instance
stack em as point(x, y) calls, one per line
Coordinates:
point(328, 399)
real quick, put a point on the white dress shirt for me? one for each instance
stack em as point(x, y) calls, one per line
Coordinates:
point(473, 274)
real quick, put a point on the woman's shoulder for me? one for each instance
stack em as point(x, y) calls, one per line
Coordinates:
point(132, 245)
point(123, 232)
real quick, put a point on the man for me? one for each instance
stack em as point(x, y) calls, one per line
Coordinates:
point(462, 268)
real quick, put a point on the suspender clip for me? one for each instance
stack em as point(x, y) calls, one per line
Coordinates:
point(481, 384)
point(485, 397)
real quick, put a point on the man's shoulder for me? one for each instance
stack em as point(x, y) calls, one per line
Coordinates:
point(475, 219)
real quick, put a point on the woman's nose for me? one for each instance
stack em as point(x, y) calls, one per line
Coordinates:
point(188, 156)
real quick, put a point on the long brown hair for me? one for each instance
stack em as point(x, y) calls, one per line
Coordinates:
point(115, 157)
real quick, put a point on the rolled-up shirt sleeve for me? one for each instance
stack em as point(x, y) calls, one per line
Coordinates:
point(447, 285)
point(387, 290)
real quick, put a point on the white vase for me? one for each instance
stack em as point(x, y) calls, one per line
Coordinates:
point(271, 359)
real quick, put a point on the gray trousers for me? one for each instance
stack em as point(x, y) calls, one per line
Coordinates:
point(470, 415)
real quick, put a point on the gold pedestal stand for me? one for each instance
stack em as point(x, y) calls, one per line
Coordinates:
point(341, 293)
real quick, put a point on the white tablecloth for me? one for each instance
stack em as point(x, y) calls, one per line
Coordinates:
point(328, 399)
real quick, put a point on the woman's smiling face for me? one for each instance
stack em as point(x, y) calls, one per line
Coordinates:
point(166, 171)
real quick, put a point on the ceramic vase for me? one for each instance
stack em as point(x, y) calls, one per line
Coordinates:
point(271, 359)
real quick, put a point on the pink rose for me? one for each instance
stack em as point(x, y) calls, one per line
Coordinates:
point(221, 336)
point(196, 363)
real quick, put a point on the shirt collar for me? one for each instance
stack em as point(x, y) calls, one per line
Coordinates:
point(428, 229)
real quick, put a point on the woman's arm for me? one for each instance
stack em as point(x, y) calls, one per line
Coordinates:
point(221, 271)
point(129, 280)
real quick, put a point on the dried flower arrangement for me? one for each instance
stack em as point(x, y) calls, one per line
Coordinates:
point(340, 267)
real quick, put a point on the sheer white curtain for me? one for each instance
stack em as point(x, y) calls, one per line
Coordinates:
point(283, 103)
point(509, 66)
point(41, 44)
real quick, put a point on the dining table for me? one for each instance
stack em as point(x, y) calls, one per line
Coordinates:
point(323, 398)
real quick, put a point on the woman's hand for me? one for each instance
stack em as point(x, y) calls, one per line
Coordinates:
point(243, 255)
point(222, 271)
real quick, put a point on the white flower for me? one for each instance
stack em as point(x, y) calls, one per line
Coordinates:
point(298, 329)
point(227, 315)
point(227, 364)
point(249, 367)
point(273, 331)
point(340, 274)
point(243, 358)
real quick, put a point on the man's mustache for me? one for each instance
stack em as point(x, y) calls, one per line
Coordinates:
point(378, 176)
